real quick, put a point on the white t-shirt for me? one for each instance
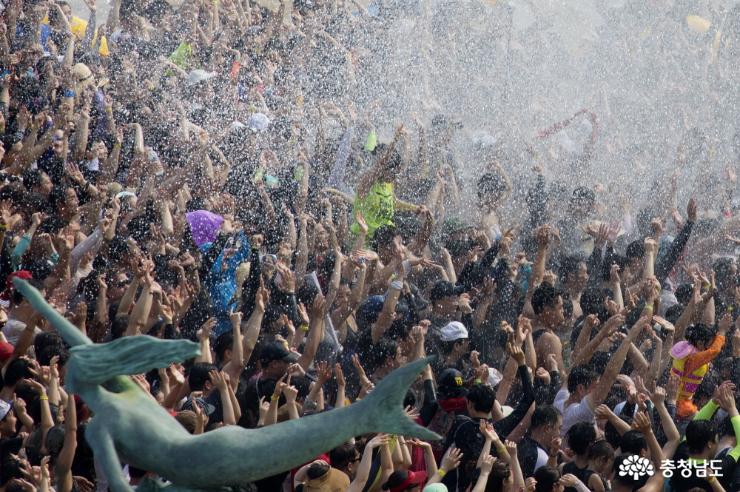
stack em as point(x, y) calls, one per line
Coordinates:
point(575, 412)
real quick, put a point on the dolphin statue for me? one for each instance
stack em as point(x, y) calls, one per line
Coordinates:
point(130, 426)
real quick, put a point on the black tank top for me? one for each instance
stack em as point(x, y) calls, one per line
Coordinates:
point(582, 474)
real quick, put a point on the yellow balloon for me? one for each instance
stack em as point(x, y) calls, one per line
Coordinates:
point(698, 24)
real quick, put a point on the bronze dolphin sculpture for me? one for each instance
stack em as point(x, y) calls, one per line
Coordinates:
point(128, 425)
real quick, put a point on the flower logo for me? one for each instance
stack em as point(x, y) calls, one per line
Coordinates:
point(636, 467)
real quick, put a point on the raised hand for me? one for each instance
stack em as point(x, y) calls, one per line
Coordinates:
point(602, 412)
point(339, 375)
point(379, 440)
point(642, 423)
point(204, 332)
point(218, 380)
point(291, 393)
point(487, 463)
point(691, 210)
point(516, 353)
point(323, 372)
point(523, 328)
point(486, 428)
point(530, 484)
point(451, 459)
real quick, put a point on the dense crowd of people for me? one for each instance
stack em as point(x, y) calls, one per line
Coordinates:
point(204, 171)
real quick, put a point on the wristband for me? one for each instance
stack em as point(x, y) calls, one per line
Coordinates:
point(274, 397)
point(478, 381)
point(68, 93)
point(441, 473)
point(303, 327)
point(397, 284)
point(43, 397)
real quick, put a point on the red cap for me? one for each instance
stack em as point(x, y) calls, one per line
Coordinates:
point(22, 274)
point(412, 478)
point(6, 350)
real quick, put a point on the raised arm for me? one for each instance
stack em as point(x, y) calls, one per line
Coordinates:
point(315, 333)
point(63, 467)
point(598, 395)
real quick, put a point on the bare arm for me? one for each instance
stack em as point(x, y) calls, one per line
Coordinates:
point(141, 310)
point(235, 366)
point(315, 333)
point(615, 364)
point(63, 467)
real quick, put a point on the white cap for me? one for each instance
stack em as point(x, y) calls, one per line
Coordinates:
point(452, 331)
point(258, 122)
point(237, 125)
point(198, 75)
point(4, 409)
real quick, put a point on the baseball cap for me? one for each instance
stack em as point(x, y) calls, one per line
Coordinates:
point(435, 487)
point(451, 384)
point(4, 409)
point(198, 75)
point(443, 288)
point(454, 330)
point(9, 287)
point(403, 480)
point(276, 351)
point(258, 122)
point(6, 350)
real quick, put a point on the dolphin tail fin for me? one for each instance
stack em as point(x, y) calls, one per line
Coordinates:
point(69, 332)
point(386, 412)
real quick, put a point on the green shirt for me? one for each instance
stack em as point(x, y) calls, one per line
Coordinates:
point(378, 208)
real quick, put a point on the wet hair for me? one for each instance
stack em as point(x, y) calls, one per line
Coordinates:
point(491, 184)
point(580, 375)
point(32, 178)
point(724, 275)
point(384, 236)
point(18, 370)
point(482, 397)
point(47, 345)
point(673, 313)
point(569, 266)
point(633, 441)
point(544, 296)
point(546, 478)
point(382, 351)
point(223, 343)
point(343, 456)
point(592, 302)
point(699, 433)
point(544, 415)
point(683, 293)
point(583, 195)
point(580, 436)
point(199, 374)
point(600, 449)
point(699, 333)
point(726, 428)
point(635, 249)
point(187, 418)
point(118, 326)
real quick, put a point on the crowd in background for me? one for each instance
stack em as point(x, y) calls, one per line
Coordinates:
point(213, 171)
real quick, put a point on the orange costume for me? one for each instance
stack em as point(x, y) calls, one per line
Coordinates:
point(690, 366)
